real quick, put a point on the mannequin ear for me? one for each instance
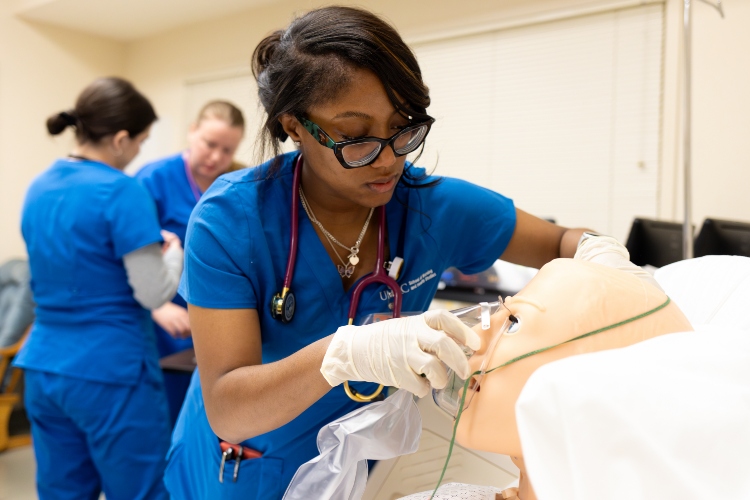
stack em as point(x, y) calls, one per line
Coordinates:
point(291, 126)
point(119, 141)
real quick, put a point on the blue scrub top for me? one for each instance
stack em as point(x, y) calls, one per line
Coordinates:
point(167, 182)
point(237, 248)
point(79, 218)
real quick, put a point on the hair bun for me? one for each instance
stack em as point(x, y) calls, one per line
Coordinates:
point(264, 52)
point(69, 117)
point(56, 124)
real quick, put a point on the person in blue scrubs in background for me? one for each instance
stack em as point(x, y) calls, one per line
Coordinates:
point(342, 84)
point(176, 183)
point(99, 261)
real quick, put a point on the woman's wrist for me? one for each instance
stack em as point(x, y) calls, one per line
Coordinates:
point(570, 241)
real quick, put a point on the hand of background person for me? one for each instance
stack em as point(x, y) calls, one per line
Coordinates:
point(410, 353)
point(608, 251)
point(170, 240)
point(173, 319)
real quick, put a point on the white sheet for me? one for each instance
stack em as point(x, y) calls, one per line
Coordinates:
point(710, 290)
point(668, 418)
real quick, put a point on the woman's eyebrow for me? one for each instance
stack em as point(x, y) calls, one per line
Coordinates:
point(527, 300)
point(353, 114)
point(357, 114)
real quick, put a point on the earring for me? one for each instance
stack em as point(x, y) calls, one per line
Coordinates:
point(296, 143)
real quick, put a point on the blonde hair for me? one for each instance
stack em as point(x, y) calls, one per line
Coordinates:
point(223, 110)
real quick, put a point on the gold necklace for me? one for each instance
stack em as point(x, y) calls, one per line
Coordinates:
point(346, 269)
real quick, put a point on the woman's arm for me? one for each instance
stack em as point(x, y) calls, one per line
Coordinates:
point(153, 273)
point(536, 241)
point(243, 397)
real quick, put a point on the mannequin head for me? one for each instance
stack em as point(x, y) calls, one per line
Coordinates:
point(567, 298)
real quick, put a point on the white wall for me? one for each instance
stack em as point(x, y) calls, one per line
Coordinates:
point(53, 65)
point(163, 64)
point(721, 111)
point(42, 69)
point(721, 114)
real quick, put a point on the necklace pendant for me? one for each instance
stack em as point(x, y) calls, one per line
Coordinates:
point(353, 260)
point(346, 271)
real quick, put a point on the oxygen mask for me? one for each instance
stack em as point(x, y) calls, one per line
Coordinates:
point(449, 398)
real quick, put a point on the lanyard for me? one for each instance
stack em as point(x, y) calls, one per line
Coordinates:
point(191, 180)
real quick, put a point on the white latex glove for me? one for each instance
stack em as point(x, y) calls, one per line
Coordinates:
point(608, 251)
point(397, 351)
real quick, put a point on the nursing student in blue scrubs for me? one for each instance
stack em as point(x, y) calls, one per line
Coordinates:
point(176, 183)
point(341, 83)
point(99, 261)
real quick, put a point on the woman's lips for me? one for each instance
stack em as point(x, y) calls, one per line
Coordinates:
point(383, 186)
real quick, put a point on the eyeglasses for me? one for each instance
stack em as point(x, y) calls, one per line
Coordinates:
point(362, 152)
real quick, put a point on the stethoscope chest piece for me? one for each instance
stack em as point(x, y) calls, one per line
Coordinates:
point(283, 306)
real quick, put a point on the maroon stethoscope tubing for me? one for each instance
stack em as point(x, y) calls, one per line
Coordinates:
point(295, 225)
point(377, 276)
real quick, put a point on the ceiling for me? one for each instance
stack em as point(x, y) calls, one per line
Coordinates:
point(127, 20)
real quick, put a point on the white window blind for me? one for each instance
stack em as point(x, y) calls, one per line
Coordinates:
point(562, 116)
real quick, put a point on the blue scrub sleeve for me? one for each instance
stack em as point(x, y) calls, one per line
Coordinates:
point(478, 225)
point(132, 217)
point(148, 185)
point(219, 252)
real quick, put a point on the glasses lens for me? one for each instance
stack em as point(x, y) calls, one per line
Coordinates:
point(449, 398)
point(358, 155)
point(409, 140)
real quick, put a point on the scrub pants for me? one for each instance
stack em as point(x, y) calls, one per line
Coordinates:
point(93, 436)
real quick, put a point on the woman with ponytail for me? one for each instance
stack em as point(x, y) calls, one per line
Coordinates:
point(99, 262)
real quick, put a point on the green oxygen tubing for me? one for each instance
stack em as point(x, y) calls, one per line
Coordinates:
point(524, 356)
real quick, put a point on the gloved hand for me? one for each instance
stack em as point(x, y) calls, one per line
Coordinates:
point(397, 351)
point(608, 251)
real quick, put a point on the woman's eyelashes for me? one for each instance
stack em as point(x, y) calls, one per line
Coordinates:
point(351, 138)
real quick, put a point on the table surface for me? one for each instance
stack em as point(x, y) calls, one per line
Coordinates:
point(183, 361)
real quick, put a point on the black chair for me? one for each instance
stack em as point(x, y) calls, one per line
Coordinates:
point(654, 242)
point(723, 237)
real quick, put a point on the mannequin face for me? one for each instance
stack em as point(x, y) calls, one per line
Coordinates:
point(567, 298)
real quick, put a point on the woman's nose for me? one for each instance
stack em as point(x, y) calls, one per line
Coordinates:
point(386, 158)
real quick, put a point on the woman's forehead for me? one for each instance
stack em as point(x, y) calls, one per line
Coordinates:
point(363, 98)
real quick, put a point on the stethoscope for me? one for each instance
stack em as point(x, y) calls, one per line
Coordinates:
point(283, 305)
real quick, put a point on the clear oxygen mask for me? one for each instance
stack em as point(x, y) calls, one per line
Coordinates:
point(449, 398)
